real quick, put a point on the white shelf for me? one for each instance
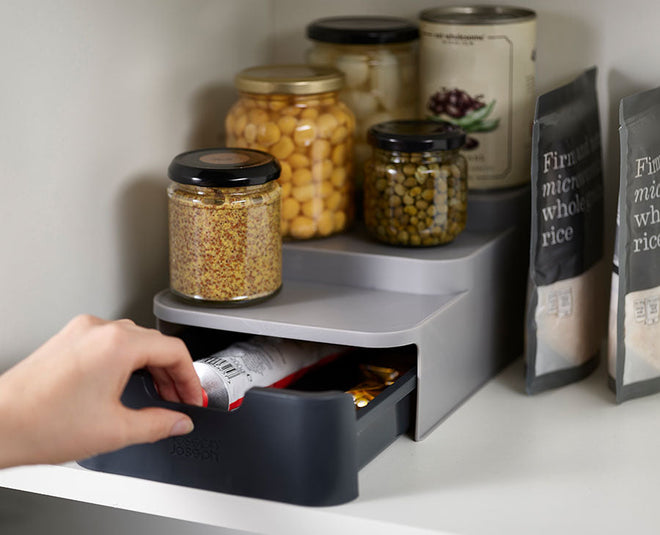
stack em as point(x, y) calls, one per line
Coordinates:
point(566, 461)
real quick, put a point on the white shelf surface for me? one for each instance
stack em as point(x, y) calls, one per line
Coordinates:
point(566, 461)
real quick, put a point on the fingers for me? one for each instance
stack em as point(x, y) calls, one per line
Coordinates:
point(169, 361)
point(152, 424)
point(135, 347)
point(166, 357)
point(164, 384)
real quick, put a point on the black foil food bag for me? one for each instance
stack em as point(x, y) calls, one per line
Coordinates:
point(637, 359)
point(568, 285)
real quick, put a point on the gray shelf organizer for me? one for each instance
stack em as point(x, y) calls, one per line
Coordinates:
point(461, 305)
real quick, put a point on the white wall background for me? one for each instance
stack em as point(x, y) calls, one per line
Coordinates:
point(98, 96)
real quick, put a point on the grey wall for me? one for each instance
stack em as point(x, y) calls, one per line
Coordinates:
point(96, 98)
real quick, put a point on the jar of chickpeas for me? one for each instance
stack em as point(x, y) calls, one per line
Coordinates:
point(294, 113)
point(415, 189)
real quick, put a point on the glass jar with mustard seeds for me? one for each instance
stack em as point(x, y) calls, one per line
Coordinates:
point(224, 226)
point(415, 189)
point(294, 113)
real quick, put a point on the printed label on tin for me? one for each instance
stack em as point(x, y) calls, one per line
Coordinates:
point(481, 77)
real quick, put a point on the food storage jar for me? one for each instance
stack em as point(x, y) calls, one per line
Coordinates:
point(224, 226)
point(378, 56)
point(415, 188)
point(294, 113)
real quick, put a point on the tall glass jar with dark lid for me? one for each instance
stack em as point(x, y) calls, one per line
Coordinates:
point(378, 56)
point(224, 226)
point(294, 113)
point(415, 189)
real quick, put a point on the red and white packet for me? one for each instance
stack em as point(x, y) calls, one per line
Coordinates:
point(260, 361)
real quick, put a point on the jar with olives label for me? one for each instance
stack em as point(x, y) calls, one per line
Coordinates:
point(378, 56)
point(294, 113)
point(477, 71)
point(415, 188)
point(224, 226)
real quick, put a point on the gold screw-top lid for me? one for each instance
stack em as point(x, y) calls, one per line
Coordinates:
point(289, 80)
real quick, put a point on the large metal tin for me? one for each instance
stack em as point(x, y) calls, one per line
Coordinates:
point(489, 53)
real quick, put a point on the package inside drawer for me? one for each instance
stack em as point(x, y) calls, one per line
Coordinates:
point(302, 444)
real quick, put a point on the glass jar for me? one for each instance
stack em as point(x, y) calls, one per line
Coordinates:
point(415, 188)
point(294, 113)
point(224, 226)
point(378, 56)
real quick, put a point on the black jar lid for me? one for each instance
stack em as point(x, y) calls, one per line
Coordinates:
point(416, 136)
point(224, 168)
point(362, 30)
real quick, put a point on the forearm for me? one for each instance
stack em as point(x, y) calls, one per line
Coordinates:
point(17, 440)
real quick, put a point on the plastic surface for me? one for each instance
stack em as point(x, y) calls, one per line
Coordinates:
point(362, 30)
point(224, 168)
point(297, 447)
point(411, 135)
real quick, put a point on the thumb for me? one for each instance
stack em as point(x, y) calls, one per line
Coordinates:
point(152, 424)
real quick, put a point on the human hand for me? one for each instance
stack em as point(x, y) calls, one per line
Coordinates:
point(62, 403)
